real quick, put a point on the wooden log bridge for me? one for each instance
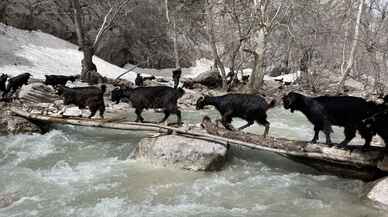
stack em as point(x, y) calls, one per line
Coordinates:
point(366, 165)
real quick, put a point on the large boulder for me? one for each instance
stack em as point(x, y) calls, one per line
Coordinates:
point(182, 152)
point(10, 124)
point(379, 191)
point(37, 93)
point(210, 79)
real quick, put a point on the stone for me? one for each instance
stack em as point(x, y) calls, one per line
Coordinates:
point(182, 152)
point(19, 125)
point(10, 124)
point(379, 191)
point(37, 93)
point(7, 199)
point(210, 79)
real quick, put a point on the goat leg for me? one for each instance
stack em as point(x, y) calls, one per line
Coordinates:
point(166, 115)
point(266, 130)
point(62, 111)
point(92, 114)
point(350, 133)
point(316, 135)
point(228, 125)
point(246, 125)
point(139, 118)
point(179, 117)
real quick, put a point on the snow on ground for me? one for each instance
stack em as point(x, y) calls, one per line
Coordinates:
point(39, 53)
point(286, 78)
point(201, 66)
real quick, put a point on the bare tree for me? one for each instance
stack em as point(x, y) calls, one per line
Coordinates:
point(267, 20)
point(172, 28)
point(89, 70)
point(350, 63)
point(212, 40)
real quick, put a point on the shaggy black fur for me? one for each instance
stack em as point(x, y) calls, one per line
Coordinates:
point(16, 83)
point(176, 75)
point(245, 106)
point(142, 98)
point(3, 80)
point(325, 111)
point(55, 80)
point(139, 81)
point(91, 97)
point(378, 122)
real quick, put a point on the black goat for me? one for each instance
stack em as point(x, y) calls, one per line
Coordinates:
point(176, 75)
point(377, 123)
point(325, 111)
point(3, 80)
point(151, 97)
point(245, 106)
point(139, 81)
point(16, 83)
point(91, 97)
point(55, 80)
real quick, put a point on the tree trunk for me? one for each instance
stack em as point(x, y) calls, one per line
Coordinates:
point(349, 66)
point(89, 70)
point(175, 40)
point(257, 76)
point(213, 46)
point(233, 68)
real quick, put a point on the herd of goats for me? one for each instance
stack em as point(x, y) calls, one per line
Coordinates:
point(353, 113)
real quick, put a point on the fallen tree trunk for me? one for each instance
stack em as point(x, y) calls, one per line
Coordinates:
point(366, 165)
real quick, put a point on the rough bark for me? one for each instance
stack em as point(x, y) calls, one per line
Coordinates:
point(89, 69)
point(352, 54)
point(213, 45)
point(257, 77)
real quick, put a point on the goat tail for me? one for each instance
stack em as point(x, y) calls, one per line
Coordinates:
point(271, 104)
point(103, 88)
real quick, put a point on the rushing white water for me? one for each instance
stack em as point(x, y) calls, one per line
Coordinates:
point(74, 171)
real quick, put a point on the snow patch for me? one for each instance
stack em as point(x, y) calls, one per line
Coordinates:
point(39, 54)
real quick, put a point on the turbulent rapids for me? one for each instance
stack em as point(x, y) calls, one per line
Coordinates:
point(73, 171)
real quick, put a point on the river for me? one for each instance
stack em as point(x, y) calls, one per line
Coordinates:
point(89, 172)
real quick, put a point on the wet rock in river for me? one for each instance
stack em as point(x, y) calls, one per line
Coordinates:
point(7, 199)
point(379, 191)
point(10, 124)
point(182, 152)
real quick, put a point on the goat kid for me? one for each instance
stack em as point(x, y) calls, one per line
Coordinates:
point(245, 106)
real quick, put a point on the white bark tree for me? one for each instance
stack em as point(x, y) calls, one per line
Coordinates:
point(350, 63)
